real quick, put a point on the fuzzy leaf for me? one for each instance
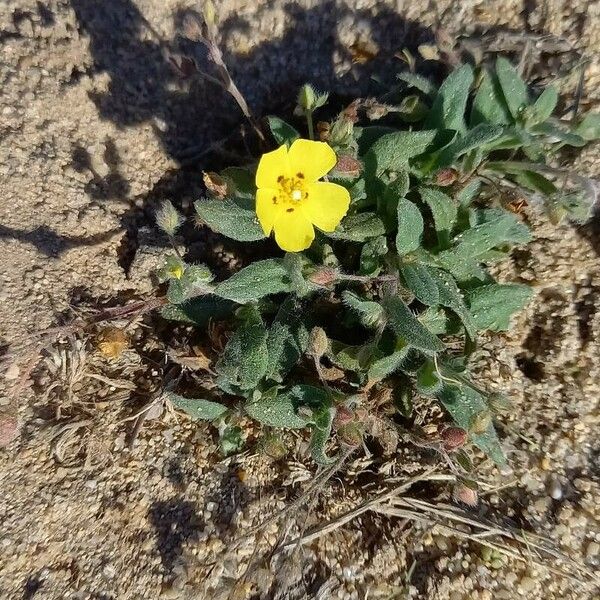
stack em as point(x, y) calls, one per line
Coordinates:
point(467, 194)
point(359, 228)
point(242, 183)
point(235, 220)
point(558, 134)
point(418, 82)
point(464, 404)
point(449, 106)
point(387, 365)
point(543, 107)
point(287, 341)
point(281, 409)
point(513, 87)
point(282, 131)
point(393, 150)
point(320, 435)
point(245, 358)
point(198, 310)
point(255, 281)
point(443, 210)
point(589, 128)
point(451, 297)
point(428, 380)
point(492, 306)
point(410, 227)
point(367, 136)
point(197, 408)
point(369, 312)
point(408, 328)
point(474, 139)
point(418, 280)
point(489, 105)
point(371, 256)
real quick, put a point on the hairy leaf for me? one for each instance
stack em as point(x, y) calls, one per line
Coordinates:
point(419, 281)
point(236, 220)
point(359, 228)
point(197, 408)
point(410, 227)
point(418, 82)
point(408, 328)
point(393, 150)
point(589, 128)
point(443, 210)
point(449, 106)
point(255, 281)
point(198, 310)
point(492, 306)
point(282, 131)
point(369, 312)
point(543, 107)
point(489, 105)
point(387, 365)
point(513, 87)
point(280, 409)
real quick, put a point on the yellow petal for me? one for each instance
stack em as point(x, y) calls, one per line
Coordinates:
point(293, 231)
point(271, 166)
point(311, 159)
point(267, 210)
point(326, 204)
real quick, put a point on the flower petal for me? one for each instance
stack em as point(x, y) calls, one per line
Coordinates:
point(271, 166)
point(326, 204)
point(267, 210)
point(293, 231)
point(312, 159)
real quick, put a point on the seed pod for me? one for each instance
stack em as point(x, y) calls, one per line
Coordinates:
point(453, 438)
point(465, 495)
point(111, 342)
point(9, 429)
point(446, 177)
point(318, 342)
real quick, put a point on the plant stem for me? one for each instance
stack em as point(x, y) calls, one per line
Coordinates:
point(309, 122)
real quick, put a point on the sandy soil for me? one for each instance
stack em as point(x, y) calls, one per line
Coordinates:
point(94, 126)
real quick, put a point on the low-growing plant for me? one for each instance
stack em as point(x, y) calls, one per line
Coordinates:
point(384, 234)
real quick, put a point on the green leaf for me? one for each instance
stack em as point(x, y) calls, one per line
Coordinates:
point(369, 312)
point(451, 297)
point(241, 181)
point(387, 365)
point(543, 107)
point(467, 194)
point(372, 255)
point(393, 150)
point(536, 182)
point(359, 228)
point(255, 281)
point(367, 136)
point(320, 435)
point(281, 409)
point(236, 220)
point(245, 358)
point(282, 131)
point(474, 139)
point(492, 306)
point(464, 404)
point(436, 320)
point(589, 128)
point(513, 87)
point(489, 105)
point(198, 311)
point(449, 106)
point(557, 134)
point(418, 280)
point(344, 356)
point(418, 82)
point(287, 340)
point(197, 408)
point(410, 227)
point(428, 380)
point(443, 210)
point(408, 328)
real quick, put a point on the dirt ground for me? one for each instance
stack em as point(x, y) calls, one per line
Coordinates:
point(94, 128)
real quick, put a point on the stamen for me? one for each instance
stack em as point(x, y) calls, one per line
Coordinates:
point(296, 195)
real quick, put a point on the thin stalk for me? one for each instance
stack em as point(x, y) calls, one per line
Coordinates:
point(310, 124)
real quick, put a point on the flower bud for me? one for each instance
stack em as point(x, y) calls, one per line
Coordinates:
point(453, 438)
point(307, 97)
point(347, 166)
point(350, 434)
point(323, 276)
point(168, 219)
point(318, 342)
point(465, 495)
point(343, 416)
point(446, 177)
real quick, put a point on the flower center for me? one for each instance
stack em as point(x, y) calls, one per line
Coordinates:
point(291, 191)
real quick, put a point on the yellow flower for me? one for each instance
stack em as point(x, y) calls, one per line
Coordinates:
point(290, 200)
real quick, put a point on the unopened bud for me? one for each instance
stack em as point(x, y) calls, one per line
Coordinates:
point(318, 342)
point(453, 438)
point(347, 166)
point(445, 177)
point(465, 495)
point(168, 219)
point(9, 429)
point(309, 100)
point(324, 276)
point(343, 416)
